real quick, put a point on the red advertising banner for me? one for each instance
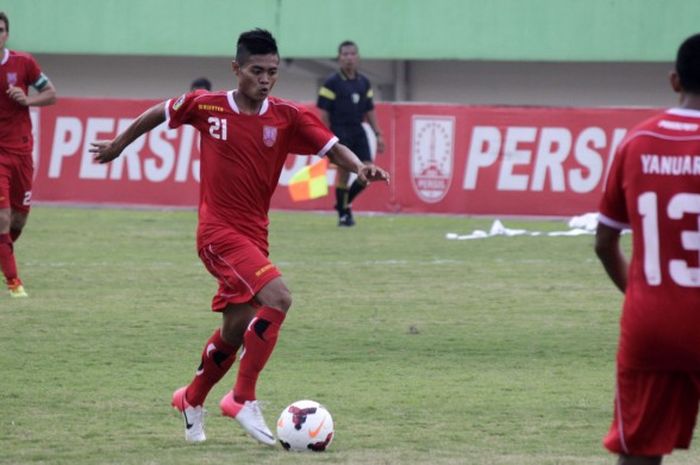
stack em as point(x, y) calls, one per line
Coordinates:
point(443, 159)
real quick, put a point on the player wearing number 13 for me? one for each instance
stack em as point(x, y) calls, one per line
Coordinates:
point(654, 188)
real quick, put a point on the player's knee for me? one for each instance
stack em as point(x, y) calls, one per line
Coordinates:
point(17, 222)
point(282, 300)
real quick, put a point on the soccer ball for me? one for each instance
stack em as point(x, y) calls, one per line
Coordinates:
point(305, 425)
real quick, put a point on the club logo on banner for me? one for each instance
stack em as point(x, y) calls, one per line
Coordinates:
point(432, 156)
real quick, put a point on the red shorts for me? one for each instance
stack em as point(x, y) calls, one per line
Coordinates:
point(16, 173)
point(241, 268)
point(655, 412)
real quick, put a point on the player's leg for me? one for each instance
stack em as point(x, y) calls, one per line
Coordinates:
point(341, 194)
point(7, 255)
point(260, 337)
point(361, 148)
point(8, 265)
point(18, 221)
point(244, 271)
point(16, 173)
point(654, 414)
point(259, 340)
point(218, 355)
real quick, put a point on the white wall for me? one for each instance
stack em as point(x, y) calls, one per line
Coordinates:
point(496, 83)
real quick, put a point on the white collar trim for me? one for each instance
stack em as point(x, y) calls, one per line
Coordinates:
point(684, 112)
point(5, 56)
point(232, 103)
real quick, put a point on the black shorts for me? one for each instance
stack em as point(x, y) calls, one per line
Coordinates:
point(355, 138)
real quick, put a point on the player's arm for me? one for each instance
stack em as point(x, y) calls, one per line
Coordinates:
point(372, 120)
point(107, 150)
point(343, 157)
point(46, 94)
point(607, 247)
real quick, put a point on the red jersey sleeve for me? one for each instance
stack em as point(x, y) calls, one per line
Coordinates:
point(311, 136)
point(613, 205)
point(33, 71)
point(181, 110)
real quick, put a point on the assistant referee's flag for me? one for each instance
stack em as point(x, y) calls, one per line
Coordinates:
point(310, 182)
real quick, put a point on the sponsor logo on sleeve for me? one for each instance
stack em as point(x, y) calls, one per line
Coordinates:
point(179, 102)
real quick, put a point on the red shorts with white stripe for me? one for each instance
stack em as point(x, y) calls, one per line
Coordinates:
point(241, 268)
point(655, 412)
point(16, 173)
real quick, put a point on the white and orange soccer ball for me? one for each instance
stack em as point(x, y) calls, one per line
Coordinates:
point(305, 426)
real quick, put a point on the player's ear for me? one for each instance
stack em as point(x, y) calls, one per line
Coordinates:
point(675, 81)
point(236, 67)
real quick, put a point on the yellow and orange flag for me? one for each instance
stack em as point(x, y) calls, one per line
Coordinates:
point(310, 182)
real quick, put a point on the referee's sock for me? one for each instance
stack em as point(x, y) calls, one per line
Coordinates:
point(341, 200)
point(355, 190)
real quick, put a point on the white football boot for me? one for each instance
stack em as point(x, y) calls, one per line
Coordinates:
point(249, 415)
point(194, 416)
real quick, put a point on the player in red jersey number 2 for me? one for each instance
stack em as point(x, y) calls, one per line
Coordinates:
point(246, 136)
point(654, 188)
point(18, 72)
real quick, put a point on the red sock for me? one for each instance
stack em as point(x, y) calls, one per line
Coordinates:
point(258, 342)
point(7, 257)
point(217, 358)
point(14, 234)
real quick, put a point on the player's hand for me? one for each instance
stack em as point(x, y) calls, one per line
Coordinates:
point(104, 150)
point(369, 173)
point(18, 95)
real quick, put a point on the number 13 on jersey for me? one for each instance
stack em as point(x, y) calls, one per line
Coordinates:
point(679, 205)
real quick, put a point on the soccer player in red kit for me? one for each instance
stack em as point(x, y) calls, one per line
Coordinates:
point(246, 136)
point(654, 189)
point(18, 71)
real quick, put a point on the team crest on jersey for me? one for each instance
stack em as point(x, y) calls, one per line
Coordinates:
point(178, 103)
point(12, 78)
point(269, 135)
point(432, 155)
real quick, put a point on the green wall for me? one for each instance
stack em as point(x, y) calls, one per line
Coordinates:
point(529, 30)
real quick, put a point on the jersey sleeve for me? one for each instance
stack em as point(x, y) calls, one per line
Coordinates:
point(613, 205)
point(311, 137)
point(181, 110)
point(35, 77)
point(326, 96)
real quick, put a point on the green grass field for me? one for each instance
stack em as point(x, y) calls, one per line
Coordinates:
point(495, 351)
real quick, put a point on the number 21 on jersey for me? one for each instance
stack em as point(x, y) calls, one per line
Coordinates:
point(679, 205)
point(218, 128)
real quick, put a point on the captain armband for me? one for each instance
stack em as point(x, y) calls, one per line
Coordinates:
point(41, 82)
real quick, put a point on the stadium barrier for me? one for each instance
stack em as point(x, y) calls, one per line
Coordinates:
point(453, 159)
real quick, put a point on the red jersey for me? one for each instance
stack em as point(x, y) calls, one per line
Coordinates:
point(242, 157)
point(20, 70)
point(654, 187)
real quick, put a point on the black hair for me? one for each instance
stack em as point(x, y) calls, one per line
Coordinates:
point(346, 43)
point(3, 17)
point(200, 83)
point(688, 64)
point(255, 42)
